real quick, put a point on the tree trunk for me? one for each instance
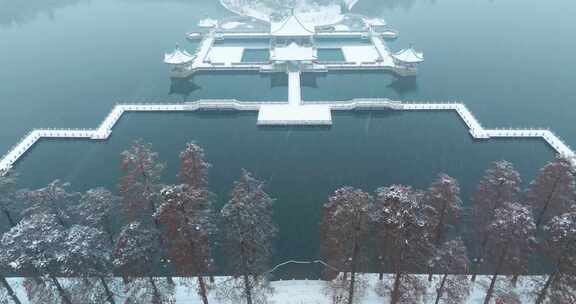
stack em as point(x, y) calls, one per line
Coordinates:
point(169, 280)
point(61, 290)
point(247, 286)
point(395, 298)
point(353, 274)
point(430, 275)
point(495, 276)
point(514, 280)
point(490, 289)
point(545, 208)
point(543, 293)
point(109, 233)
point(439, 231)
point(109, 295)
point(441, 289)
point(203, 291)
point(479, 258)
point(9, 217)
point(157, 296)
point(10, 291)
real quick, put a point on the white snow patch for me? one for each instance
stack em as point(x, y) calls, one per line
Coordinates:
point(315, 292)
point(360, 53)
point(231, 25)
point(225, 54)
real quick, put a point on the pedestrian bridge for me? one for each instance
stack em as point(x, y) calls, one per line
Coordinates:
point(278, 113)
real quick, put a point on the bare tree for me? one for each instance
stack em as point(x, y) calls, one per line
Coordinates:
point(33, 246)
point(84, 253)
point(452, 262)
point(408, 289)
point(338, 289)
point(7, 190)
point(402, 237)
point(186, 213)
point(345, 230)
point(6, 290)
point(553, 191)
point(248, 231)
point(500, 184)
point(443, 197)
point(511, 241)
point(53, 199)
point(560, 247)
point(98, 208)
point(39, 290)
point(7, 193)
point(140, 189)
point(194, 167)
point(136, 249)
point(140, 185)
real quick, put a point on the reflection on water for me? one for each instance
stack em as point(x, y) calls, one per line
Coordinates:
point(21, 12)
point(183, 86)
point(404, 85)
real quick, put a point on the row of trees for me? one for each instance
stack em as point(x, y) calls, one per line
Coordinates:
point(405, 231)
point(169, 230)
point(151, 231)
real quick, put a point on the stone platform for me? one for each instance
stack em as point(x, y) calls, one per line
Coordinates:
point(285, 114)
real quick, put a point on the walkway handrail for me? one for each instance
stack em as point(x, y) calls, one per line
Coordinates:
point(104, 130)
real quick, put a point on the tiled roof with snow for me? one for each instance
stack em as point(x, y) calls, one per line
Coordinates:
point(293, 52)
point(291, 26)
point(178, 56)
point(409, 55)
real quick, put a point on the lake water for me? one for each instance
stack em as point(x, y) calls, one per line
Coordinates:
point(66, 63)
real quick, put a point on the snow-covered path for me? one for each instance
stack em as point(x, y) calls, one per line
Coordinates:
point(316, 292)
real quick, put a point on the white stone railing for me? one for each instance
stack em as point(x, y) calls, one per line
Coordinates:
point(104, 130)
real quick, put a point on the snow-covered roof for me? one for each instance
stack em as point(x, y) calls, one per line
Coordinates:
point(178, 56)
point(375, 21)
point(409, 55)
point(293, 52)
point(208, 22)
point(291, 26)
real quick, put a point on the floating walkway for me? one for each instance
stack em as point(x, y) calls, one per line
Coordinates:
point(277, 113)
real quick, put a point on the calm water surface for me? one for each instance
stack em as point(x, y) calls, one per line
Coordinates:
point(66, 63)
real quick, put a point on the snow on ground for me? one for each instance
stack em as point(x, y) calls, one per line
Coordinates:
point(360, 53)
point(225, 54)
point(308, 11)
point(316, 292)
point(231, 25)
point(342, 28)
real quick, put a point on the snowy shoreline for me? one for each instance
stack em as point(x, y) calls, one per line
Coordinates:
point(316, 291)
point(319, 15)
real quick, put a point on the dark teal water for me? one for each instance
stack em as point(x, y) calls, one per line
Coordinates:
point(255, 55)
point(331, 55)
point(65, 63)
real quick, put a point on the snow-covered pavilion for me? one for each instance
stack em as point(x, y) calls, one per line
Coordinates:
point(291, 29)
point(409, 57)
point(291, 26)
point(292, 41)
point(180, 60)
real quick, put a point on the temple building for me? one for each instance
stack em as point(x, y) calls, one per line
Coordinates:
point(292, 41)
point(180, 61)
point(409, 59)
